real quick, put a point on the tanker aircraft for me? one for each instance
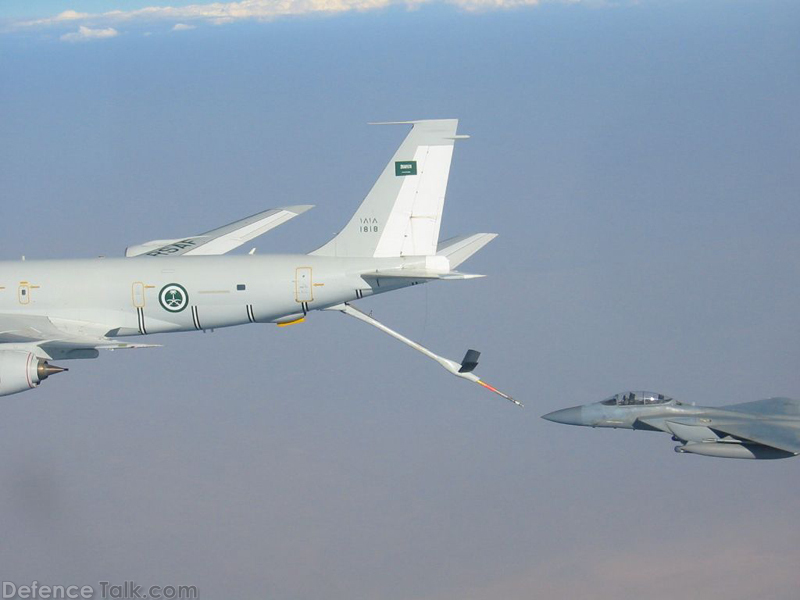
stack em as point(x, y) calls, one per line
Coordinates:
point(56, 310)
point(757, 430)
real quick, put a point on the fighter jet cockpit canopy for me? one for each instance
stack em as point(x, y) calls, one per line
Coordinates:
point(636, 399)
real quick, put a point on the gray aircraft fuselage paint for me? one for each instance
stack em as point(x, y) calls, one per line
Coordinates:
point(70, 309)
point(221, 291)
point(765, 429)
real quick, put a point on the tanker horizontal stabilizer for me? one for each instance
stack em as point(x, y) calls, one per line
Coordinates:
point(458, 249)
point(415, 274)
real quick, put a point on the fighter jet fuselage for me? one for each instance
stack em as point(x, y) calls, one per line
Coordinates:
point(764, 429)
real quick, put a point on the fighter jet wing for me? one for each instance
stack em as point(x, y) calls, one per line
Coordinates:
point(652, 423)
point(221, 240)
point(765, 432)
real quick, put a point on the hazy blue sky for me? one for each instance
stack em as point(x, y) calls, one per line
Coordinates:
point(640, 163)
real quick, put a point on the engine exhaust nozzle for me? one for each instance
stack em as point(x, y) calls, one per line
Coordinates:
point(45, 369)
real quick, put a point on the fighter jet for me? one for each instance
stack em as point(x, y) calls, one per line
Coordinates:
point(72, 309)
point(762, 429)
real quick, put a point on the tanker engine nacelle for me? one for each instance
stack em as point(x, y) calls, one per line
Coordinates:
point(21, 371)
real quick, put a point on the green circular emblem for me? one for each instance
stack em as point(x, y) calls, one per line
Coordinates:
point(173, 297)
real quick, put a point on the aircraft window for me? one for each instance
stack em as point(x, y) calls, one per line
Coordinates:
point(630, 399)
point(655, 398)
point(636, 399)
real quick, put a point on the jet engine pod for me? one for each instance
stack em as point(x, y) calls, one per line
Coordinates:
point(21, 371)
point(732, 450)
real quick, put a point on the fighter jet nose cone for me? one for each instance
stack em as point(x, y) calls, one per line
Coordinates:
point(567, 416)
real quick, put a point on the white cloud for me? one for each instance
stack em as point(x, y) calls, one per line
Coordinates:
point(85, 34)
point(475, 5)
point(216, 12)
point(70, 15)
point(259, 10)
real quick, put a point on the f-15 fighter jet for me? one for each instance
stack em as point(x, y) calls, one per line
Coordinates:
point(71, 309)
point(758, 430)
